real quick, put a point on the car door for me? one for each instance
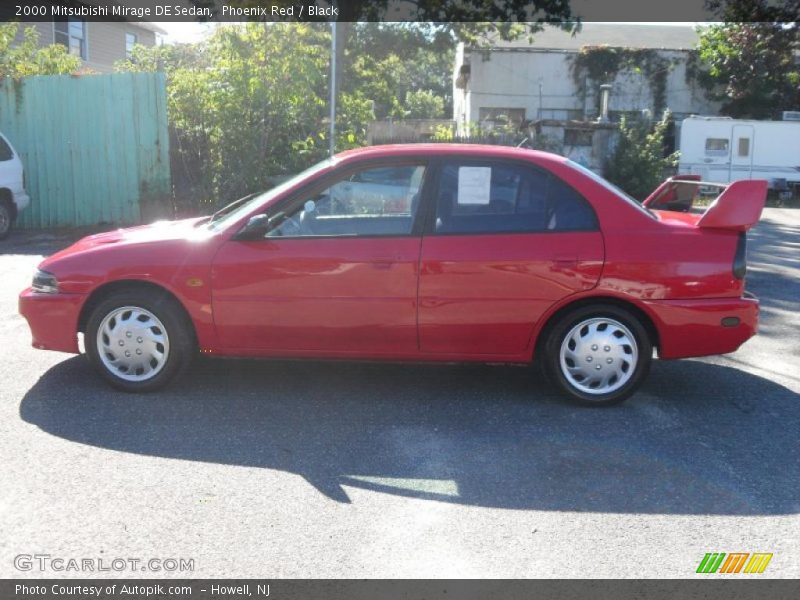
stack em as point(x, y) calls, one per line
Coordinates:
point(335, 272)
point(717, 156)
point(10, 167)
point(504, 242)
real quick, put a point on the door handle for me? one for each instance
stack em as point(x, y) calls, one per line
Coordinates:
point(384, 262)
point(565, 262)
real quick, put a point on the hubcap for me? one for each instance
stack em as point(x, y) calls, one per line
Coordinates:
point(132, 343)
point(598, 356)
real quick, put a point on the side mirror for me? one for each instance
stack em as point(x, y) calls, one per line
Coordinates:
point(276, 220)
point(255, 227)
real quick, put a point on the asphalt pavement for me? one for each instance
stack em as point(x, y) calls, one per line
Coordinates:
point(314, 469)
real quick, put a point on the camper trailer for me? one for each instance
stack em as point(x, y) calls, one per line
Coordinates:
point(723, 150)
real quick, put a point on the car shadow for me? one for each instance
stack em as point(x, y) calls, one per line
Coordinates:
point(697, 439)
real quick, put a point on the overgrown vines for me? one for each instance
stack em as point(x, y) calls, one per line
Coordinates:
point(602, 64)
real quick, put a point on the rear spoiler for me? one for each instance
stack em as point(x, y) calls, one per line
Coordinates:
point(738, 205)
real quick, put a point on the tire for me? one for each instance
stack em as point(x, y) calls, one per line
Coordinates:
point(6, 220)
point(139, 340)
point(604, 336)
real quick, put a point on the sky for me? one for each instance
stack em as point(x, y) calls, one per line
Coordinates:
point(193, 32)
point(185, 32)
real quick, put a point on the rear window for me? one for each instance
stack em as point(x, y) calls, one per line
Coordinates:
point(495, 198)
point(611, 187)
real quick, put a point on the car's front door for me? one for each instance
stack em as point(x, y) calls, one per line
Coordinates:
point(336, 272)
point(505, 243)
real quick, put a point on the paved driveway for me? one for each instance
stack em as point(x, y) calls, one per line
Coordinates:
point(281, 469)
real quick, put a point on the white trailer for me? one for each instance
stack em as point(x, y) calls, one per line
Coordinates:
point(724, 150)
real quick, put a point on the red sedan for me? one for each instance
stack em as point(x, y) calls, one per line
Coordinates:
point(419, 253)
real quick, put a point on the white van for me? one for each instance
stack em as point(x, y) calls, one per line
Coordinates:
point(13, 197)
point(722, 150)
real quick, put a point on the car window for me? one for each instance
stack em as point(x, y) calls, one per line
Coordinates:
point(377, 201)
point(237, 209)
point(611, 188)
point(495, 198)
point(5, 150)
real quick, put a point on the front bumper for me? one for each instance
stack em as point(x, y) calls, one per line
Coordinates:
point(53, 319)
point(22, 200)
point(688, 328)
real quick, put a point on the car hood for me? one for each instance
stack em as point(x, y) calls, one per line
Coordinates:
point(154, 232)
point(158, 232)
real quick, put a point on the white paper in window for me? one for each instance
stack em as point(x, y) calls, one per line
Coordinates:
point(474, 185)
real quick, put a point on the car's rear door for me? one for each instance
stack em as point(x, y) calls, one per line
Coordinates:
point(335, 274)
point(504, 241)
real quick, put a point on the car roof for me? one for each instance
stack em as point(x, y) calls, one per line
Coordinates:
point(472, 150)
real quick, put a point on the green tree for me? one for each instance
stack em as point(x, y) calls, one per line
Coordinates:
point(251, 102)
point(423, 104)
point(637, 163)
point(387, 61)
point(472, 22)
point(26, 58)
point(246, 105)
point(751, 68)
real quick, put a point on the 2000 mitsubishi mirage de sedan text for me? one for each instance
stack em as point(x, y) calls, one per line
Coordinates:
point(419, 253)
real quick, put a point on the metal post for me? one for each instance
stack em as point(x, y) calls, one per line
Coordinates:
point(333, 89)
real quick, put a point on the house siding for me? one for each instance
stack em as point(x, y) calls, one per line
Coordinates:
point(541, 83)
point(105, 41)
point(45, 30)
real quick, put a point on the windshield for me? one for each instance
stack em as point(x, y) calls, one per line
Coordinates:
point(239, 208)
point(611, 187)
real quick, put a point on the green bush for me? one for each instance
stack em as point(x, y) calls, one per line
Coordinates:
point(26, 58)
point(637, 164)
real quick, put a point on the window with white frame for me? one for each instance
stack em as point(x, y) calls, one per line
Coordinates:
point(72, 34)
point(130, 41)
point(716, 147)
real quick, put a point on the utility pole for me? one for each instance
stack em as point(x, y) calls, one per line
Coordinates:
point(333, 90)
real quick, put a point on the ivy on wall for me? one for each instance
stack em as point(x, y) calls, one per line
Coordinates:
point(602, 64)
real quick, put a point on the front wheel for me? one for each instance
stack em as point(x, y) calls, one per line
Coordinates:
point(598, 355)
point(139, 340)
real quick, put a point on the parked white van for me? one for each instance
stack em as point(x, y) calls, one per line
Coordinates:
point(13, 197)
point(722, 150)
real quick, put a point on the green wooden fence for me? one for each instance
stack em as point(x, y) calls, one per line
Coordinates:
point(95, 148)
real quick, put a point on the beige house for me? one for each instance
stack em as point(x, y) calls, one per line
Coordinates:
point(528, 80)
point(98, 44)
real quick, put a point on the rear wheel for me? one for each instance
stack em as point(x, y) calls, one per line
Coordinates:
point(6, 220)
point(598, 355)
point(138, 340)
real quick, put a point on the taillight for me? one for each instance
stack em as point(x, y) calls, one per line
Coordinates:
point(740, 259)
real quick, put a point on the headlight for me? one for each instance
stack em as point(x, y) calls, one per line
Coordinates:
point(44, 283)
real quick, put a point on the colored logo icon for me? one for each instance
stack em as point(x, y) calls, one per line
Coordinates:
point(735, 562)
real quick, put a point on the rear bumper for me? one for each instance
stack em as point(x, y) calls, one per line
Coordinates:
point(53, 319)
point(689, 328)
